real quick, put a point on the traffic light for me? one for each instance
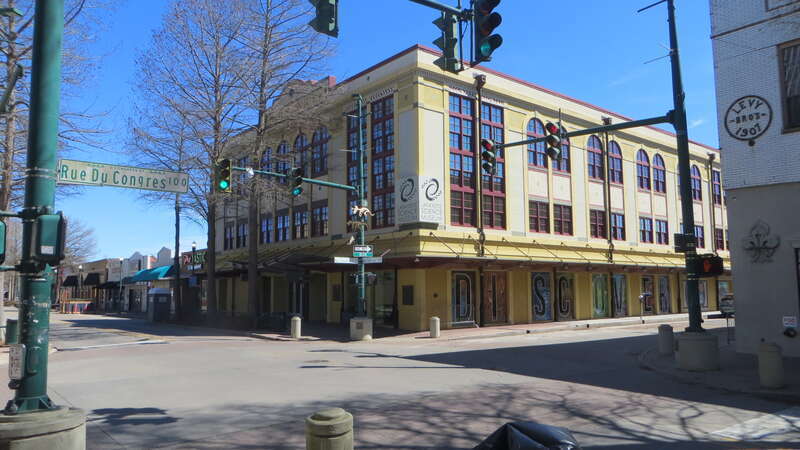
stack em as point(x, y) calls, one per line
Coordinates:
point(488, 155)
point(223, 178)
point(709, 265)
point(296, 180)
point(485, 22)
point(553, 140)
point(448, 42)
point(327, 19)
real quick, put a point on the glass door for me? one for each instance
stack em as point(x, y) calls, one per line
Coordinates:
point(462, 297)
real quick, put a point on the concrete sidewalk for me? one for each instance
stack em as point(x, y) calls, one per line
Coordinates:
point(334, 332)
point(738, 372)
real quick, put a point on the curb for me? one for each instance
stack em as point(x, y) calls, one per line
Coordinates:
point(682, 377)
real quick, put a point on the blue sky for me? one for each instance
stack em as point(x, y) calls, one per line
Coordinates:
point(594, 51)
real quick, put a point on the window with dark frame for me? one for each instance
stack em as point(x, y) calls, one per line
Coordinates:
point(716, 186)
point(300, 223)
point(643, 170)
point(727, 240)
point(790, 76)
point(719, 238)
point(659, 174)
point(352, 165)
point(697, 184)
point(614, 163)
point(700, 234)
point(462, 161)
point(562, 219)
point(562, 164)
point(538, 216)
point(227, 236)
point(597, 223)
point(319, 152)
point(493, 185)
point(536, 152)
point(282, 161)
point(300, 149)
point(282, 226)
point(662, 232)
point(319, 219)
point(618, 226)
point(594, 158)
point(382, 123)
point(265, 236)
point(646, 230)
point(241, 235)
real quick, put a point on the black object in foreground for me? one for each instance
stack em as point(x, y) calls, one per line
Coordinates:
point(529, 436)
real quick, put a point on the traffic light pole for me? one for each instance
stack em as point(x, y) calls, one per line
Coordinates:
point(37, 277)
point(361, 306)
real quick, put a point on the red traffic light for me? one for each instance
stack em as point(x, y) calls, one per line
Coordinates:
point(551, 128)
point(487, 144)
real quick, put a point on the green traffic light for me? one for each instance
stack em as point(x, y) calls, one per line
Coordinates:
point(297, 191)
point(490, 44)
point(223, 184)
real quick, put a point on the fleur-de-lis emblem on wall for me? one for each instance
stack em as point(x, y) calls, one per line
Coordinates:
point(759, 244)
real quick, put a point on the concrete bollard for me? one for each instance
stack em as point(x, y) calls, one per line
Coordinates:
point(770, 365)
point(697, 351)
point(666, 340)
point(435, 327)
point(296, 327)
point(329, 429)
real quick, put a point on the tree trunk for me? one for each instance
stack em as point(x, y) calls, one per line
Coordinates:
point(211, 260)
point(252, 255)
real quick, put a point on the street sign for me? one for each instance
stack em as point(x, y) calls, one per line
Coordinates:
point(16, 361)
point(344, 260)
point(375, 260)
point(100, 174)
point(362, 251)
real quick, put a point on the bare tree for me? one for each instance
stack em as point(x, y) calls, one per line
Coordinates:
point(191, 74)
point(81, 245)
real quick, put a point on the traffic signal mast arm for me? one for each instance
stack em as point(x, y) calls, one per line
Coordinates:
point(668, 118)
point(305, 180)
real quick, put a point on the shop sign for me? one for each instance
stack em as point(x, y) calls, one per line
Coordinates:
point(748, 118)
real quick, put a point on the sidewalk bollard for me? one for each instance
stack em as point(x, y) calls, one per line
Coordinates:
point(12, 331)
point(770, 365)
point(666, 340)
point(435, 329)
point(329, 429)
point(296, 327)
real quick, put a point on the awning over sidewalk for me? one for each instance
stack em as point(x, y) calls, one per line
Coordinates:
point(109, 285)
point(70, 281)
point(156, 273)
point(92, 279)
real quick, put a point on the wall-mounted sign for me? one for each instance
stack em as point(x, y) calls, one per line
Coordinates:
point(421, 200)
point(748, 118)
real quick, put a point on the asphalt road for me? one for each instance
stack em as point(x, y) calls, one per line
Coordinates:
point(159, 386)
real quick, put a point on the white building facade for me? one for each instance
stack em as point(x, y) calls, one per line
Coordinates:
point(756, 46)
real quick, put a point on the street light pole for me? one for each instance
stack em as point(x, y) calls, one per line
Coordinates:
point(361, 305)
point(119, 297)
point(36, 276)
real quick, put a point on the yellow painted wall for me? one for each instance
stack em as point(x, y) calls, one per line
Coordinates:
point(437, 296)
point(583, 295)
point(519, 290)
point(334, 281)
point(413, 317)
point(317, 290)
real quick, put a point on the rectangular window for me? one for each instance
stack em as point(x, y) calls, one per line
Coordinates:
point(618, 226)
point(227, 237)
point(594, 163)
point(539, 216)
point(383, 210)
point(662, 232)
point(352, 163)
point(597, 223)
point(646, 230)
point(319, 220)
point(493, 185)
point(699, 232)
point(265, 236)
point(562, 219)
point(716, 186)
point(300, 228)
point(282, 227)
point(719, 238)
point(383, 162)
point(790, 68)
point(462, 161)
point(241, 235)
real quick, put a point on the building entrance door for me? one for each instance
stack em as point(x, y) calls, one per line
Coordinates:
point(494, 291)
point(462, 298)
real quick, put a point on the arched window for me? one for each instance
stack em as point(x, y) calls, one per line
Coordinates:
point(594, 159)
point(562, 164)
point(300, 150)
point(536, 153)
point(614, 163)
point(319, 151)
point(282, 164)
point(659, 174)
point(697, 191)
point(643, 169)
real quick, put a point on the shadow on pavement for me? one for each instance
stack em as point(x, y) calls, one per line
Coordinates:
point(143, 326)
point(130, 416)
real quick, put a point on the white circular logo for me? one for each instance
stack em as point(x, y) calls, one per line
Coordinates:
point(748, 118)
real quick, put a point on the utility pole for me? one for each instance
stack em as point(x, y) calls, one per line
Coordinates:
point(361, 305)
point(36, 276)
point(480, 81)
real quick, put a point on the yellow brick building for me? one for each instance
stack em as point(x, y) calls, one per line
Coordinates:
point(576, 239)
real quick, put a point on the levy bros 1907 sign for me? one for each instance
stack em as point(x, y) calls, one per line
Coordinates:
point(748, 118)
point(98, 174)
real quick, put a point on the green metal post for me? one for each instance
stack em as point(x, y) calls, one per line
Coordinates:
point(37, 278)
point(687, 207)
point(361, 306)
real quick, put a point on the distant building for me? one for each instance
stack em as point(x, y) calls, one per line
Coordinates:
point(757, 65)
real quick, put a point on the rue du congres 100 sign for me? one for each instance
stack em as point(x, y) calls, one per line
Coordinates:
point(99, 174)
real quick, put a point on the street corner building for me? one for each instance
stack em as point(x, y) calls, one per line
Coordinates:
point(587, 236)
point(757, 68)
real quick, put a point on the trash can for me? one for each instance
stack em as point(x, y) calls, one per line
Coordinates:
point(12, 331)
point(529, 436)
